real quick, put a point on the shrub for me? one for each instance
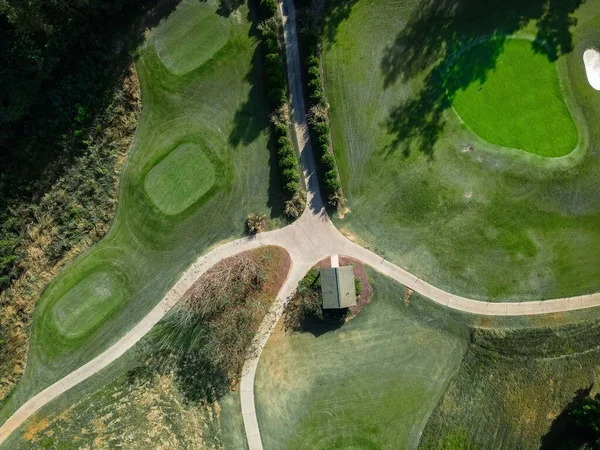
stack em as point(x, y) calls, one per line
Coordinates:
point(288, 162)
point(283, 142)
point(290, 175)
point(268, 8)
point(291, 188)
point(295, 206)
point(256, 223)
point(357, 287)
point(280, 129)
point(314, 72)
point(328, 162)
point(332, 184)
point(277, 97)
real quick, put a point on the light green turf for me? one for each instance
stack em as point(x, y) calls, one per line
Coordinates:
point(191, 36)
point(87, 304)
point(520, 104)
point(370, 384)
point(219, 108)
point(476, 219)
point(180, 179)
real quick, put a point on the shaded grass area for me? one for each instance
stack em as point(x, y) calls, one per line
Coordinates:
point(520, 104)
point(146, 247)
point(171, 390)
point(512, 387)
point(370, 383)
point(192, 35)
point(477, 220)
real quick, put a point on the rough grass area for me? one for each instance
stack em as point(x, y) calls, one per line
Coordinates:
point(75, 212)
point(179, 180)
point(370, 383)
point(193, 35)
point(219, 107)
point(512, 386)
point(520, 104)
point(177, 403)
point(427, 193)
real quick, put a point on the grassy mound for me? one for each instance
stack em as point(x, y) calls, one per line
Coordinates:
point(425, 191)
point(191, 36)
point(515, 384)
point(520, 104)
point(369, 384)
point(221, 109)
point(87, 304)
point(181, 179)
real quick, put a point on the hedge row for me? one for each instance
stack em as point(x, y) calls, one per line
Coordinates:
point(277, 95)
point(319, 122)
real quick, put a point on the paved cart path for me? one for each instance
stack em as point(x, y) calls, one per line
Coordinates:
point(308, 240)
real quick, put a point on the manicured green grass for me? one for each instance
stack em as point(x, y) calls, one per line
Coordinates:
point(474, 218)
point(86, 305)
point(180, 179)
point(219, 107)
point(520, 104)
point(191, 36)
point(370, 384)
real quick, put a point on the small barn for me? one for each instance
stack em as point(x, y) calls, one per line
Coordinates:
point(337, 286)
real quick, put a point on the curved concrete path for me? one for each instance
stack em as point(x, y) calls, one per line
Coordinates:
point(308, 240)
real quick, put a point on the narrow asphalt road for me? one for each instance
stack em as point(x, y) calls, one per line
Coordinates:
point(308, 240)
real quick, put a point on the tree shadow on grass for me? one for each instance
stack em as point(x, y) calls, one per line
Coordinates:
point(565, 434)
point(336, 12)
point(185, 350)
point(453, 43)
point(252, 119)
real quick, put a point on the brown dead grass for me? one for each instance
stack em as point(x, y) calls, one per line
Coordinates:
point(18, 301)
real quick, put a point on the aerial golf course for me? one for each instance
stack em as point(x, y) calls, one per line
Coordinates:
point(467, 140)
point(199, 166)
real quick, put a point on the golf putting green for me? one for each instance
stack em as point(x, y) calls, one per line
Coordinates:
point(180, 179)
point(87, 304)
point(520, 103)
point(191, 37)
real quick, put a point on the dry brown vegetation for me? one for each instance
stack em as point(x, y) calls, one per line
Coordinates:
point(74, 214)
point(206, 338)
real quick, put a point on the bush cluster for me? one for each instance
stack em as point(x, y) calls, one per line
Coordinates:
point(276, 92)
point(318, 120)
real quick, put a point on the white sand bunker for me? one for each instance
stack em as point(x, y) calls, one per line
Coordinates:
point(591, 59)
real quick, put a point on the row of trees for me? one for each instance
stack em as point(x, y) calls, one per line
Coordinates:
point(318, 114)
point(274, 66)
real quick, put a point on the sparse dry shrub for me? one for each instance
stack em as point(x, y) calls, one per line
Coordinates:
point(295, 206)
point(256, 223)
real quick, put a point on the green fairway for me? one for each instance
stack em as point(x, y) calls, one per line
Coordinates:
point(424, 190)
point(520, 104)
point(180, 179)
point(370, 384)
point(87, 304)
point(191, 36)
point(199, 167)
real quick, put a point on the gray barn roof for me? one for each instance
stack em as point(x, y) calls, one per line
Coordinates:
point(337, 286)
